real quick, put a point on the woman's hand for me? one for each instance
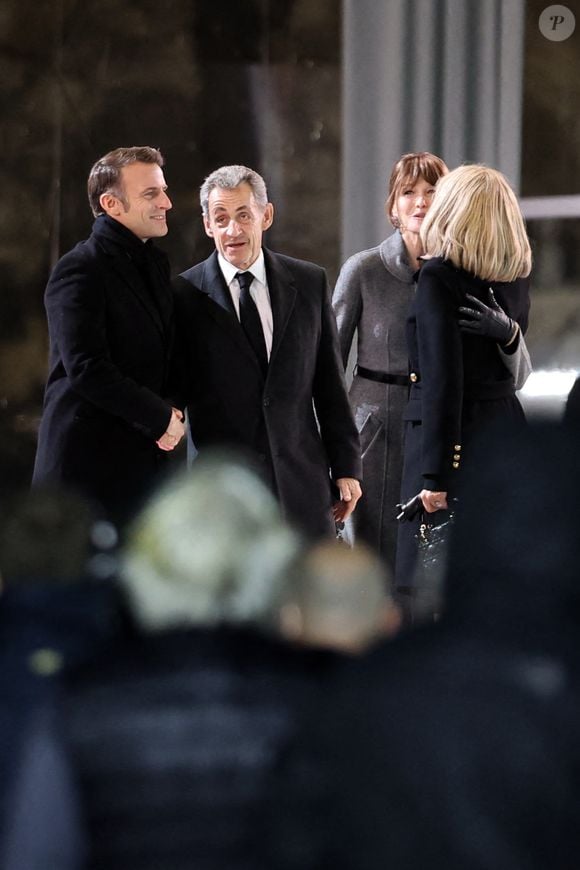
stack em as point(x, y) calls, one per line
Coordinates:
point(433, 501)
point(488, 321)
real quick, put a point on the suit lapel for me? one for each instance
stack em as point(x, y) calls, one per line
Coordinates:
point(282, 289)
point(220, 306)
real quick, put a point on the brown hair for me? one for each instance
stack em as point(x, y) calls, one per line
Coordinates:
point(407, 169)
point(105, 176)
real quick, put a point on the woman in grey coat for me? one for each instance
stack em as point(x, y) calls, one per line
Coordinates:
point(372, 295)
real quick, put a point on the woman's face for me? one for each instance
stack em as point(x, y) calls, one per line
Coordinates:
point(412, 203)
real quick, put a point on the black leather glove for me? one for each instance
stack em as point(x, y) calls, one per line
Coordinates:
point(488, 321)
point(410, 509)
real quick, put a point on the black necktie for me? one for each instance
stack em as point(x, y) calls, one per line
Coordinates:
point(250, 320)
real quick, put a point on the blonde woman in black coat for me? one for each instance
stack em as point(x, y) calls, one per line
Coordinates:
point(476, 239)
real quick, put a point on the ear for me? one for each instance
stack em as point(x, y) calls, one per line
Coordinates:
point(111, 204)
point(291, 622)
point(390, 619)
point(268, 216)
point(207, 227)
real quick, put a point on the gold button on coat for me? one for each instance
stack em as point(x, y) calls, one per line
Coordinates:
point(413, 378)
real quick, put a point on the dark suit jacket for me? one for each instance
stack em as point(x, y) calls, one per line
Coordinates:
point(111, 332)
point(229, 403)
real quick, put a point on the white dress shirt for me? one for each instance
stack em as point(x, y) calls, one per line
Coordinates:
point(258, 292)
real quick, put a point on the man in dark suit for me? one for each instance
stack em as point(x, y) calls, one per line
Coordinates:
point(261, 359)
point(106, 427)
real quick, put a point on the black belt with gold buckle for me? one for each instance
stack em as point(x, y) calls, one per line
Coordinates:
point(382, 377)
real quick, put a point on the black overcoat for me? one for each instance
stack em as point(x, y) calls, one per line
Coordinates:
point(460, 386)
point(273, 419)
point(110, 321)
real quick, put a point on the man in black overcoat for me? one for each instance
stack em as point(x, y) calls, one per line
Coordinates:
point(106, 425)
point(261, 361)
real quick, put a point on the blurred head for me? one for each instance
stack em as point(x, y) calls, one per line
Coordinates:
point(475, 222)
point(236, 213)
point(128, 185)
point(207, 550)
point(412, 187)
point(51, 534)
point(337, 598)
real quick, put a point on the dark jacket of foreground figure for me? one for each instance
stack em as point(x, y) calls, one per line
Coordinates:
point(176, 740)
point(110, 321)
point(457, 746)
point(46, 629)
point(296, 423)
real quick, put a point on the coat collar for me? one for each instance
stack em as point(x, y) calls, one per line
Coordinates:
point(282, 290)
point(213, 285)
point(128, 256)
point(394, 257)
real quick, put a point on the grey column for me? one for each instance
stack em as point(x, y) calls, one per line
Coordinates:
point(425, 75)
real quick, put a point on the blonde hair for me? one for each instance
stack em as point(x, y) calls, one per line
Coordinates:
point(407, 171)
point(209, 548)
point(476, 223)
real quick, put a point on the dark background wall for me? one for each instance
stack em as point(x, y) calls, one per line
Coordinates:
point(261, 82)
point(240, 81)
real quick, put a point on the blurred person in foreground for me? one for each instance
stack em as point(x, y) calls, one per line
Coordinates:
point(475, 240)
point(572, 406)
point(177, 734)
point(58, 608)
point(107, 422)
point(456, 746)
point(338, 597)
point(260, 361)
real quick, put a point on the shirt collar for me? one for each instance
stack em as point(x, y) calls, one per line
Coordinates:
point(258, 269)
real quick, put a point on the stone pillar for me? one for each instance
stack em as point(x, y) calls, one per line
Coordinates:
point(425, 75)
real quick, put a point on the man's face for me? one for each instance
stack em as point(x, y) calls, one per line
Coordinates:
point(146, 203)
point(236, 222)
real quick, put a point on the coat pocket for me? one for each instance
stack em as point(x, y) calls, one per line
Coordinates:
point(369, 432)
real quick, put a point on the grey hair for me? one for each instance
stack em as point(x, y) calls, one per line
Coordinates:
point(208, 549)
point(230, 177)
point(341, 593)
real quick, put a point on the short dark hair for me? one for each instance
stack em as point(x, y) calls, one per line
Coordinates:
point(105, 176)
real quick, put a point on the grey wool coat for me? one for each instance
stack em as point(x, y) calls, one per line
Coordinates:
point(373, 294)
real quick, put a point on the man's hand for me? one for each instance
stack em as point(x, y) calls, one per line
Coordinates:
point(433, 501)
point(175, 431)
point(350, 492)
point(488, 321)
